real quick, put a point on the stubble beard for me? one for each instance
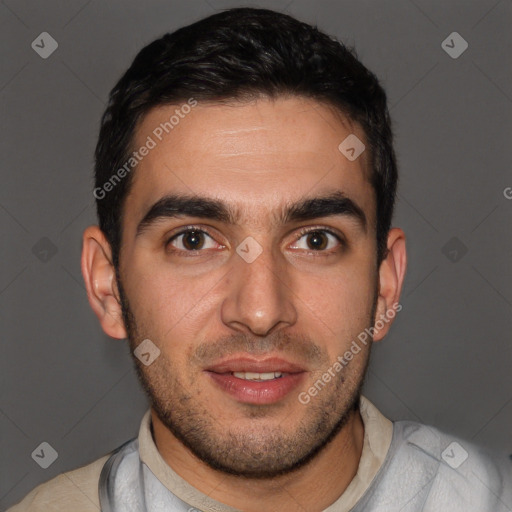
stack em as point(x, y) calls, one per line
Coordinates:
point(255, 452)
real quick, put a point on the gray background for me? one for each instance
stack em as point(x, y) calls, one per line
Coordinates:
point(447, 360)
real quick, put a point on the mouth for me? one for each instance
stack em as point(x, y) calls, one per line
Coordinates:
point(258, 377)
point(257, 382)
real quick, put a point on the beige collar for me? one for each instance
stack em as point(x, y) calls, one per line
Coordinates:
point(378, 431)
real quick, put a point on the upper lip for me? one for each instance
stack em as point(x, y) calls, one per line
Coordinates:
point(250, 364)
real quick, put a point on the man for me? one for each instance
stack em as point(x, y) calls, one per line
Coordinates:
point(245, 182)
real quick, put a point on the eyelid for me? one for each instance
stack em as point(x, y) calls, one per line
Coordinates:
point(185, 229)
point(313, 229)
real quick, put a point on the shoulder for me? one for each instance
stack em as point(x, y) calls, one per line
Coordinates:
point(469, 473)
point(75, 490)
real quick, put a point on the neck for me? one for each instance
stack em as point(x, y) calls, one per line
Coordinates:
point(313, 487)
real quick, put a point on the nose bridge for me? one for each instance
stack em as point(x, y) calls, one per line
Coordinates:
point(261, 276)
point(258, 298)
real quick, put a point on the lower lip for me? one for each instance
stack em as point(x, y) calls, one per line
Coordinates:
point(257, 392)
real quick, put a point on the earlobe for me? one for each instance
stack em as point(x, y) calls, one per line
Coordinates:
point(100, 281)
point(391, 277)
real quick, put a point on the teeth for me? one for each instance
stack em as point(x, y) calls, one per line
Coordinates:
point(257, 376)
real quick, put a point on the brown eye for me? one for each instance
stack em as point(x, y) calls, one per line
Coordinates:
point(317, 240)
point(192, 239)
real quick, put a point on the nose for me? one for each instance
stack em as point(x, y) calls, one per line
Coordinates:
point(259, 298)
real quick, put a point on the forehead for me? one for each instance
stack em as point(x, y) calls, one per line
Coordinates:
point(255, 155)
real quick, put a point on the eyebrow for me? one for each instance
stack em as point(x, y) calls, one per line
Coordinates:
point(178, 206)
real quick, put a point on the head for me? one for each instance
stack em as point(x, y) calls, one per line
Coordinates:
point(237, 235)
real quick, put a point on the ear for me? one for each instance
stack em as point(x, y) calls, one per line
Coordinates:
point(100, 282)
point(391, 278)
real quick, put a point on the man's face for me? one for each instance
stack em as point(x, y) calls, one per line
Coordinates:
point(248, 312)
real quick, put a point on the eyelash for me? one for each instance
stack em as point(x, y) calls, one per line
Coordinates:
point(302, 232)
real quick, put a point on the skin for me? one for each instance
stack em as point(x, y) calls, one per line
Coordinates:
point(304, 305)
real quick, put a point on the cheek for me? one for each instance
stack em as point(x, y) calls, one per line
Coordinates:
point(338, 300)
point(339, 305)
point(170, 306)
